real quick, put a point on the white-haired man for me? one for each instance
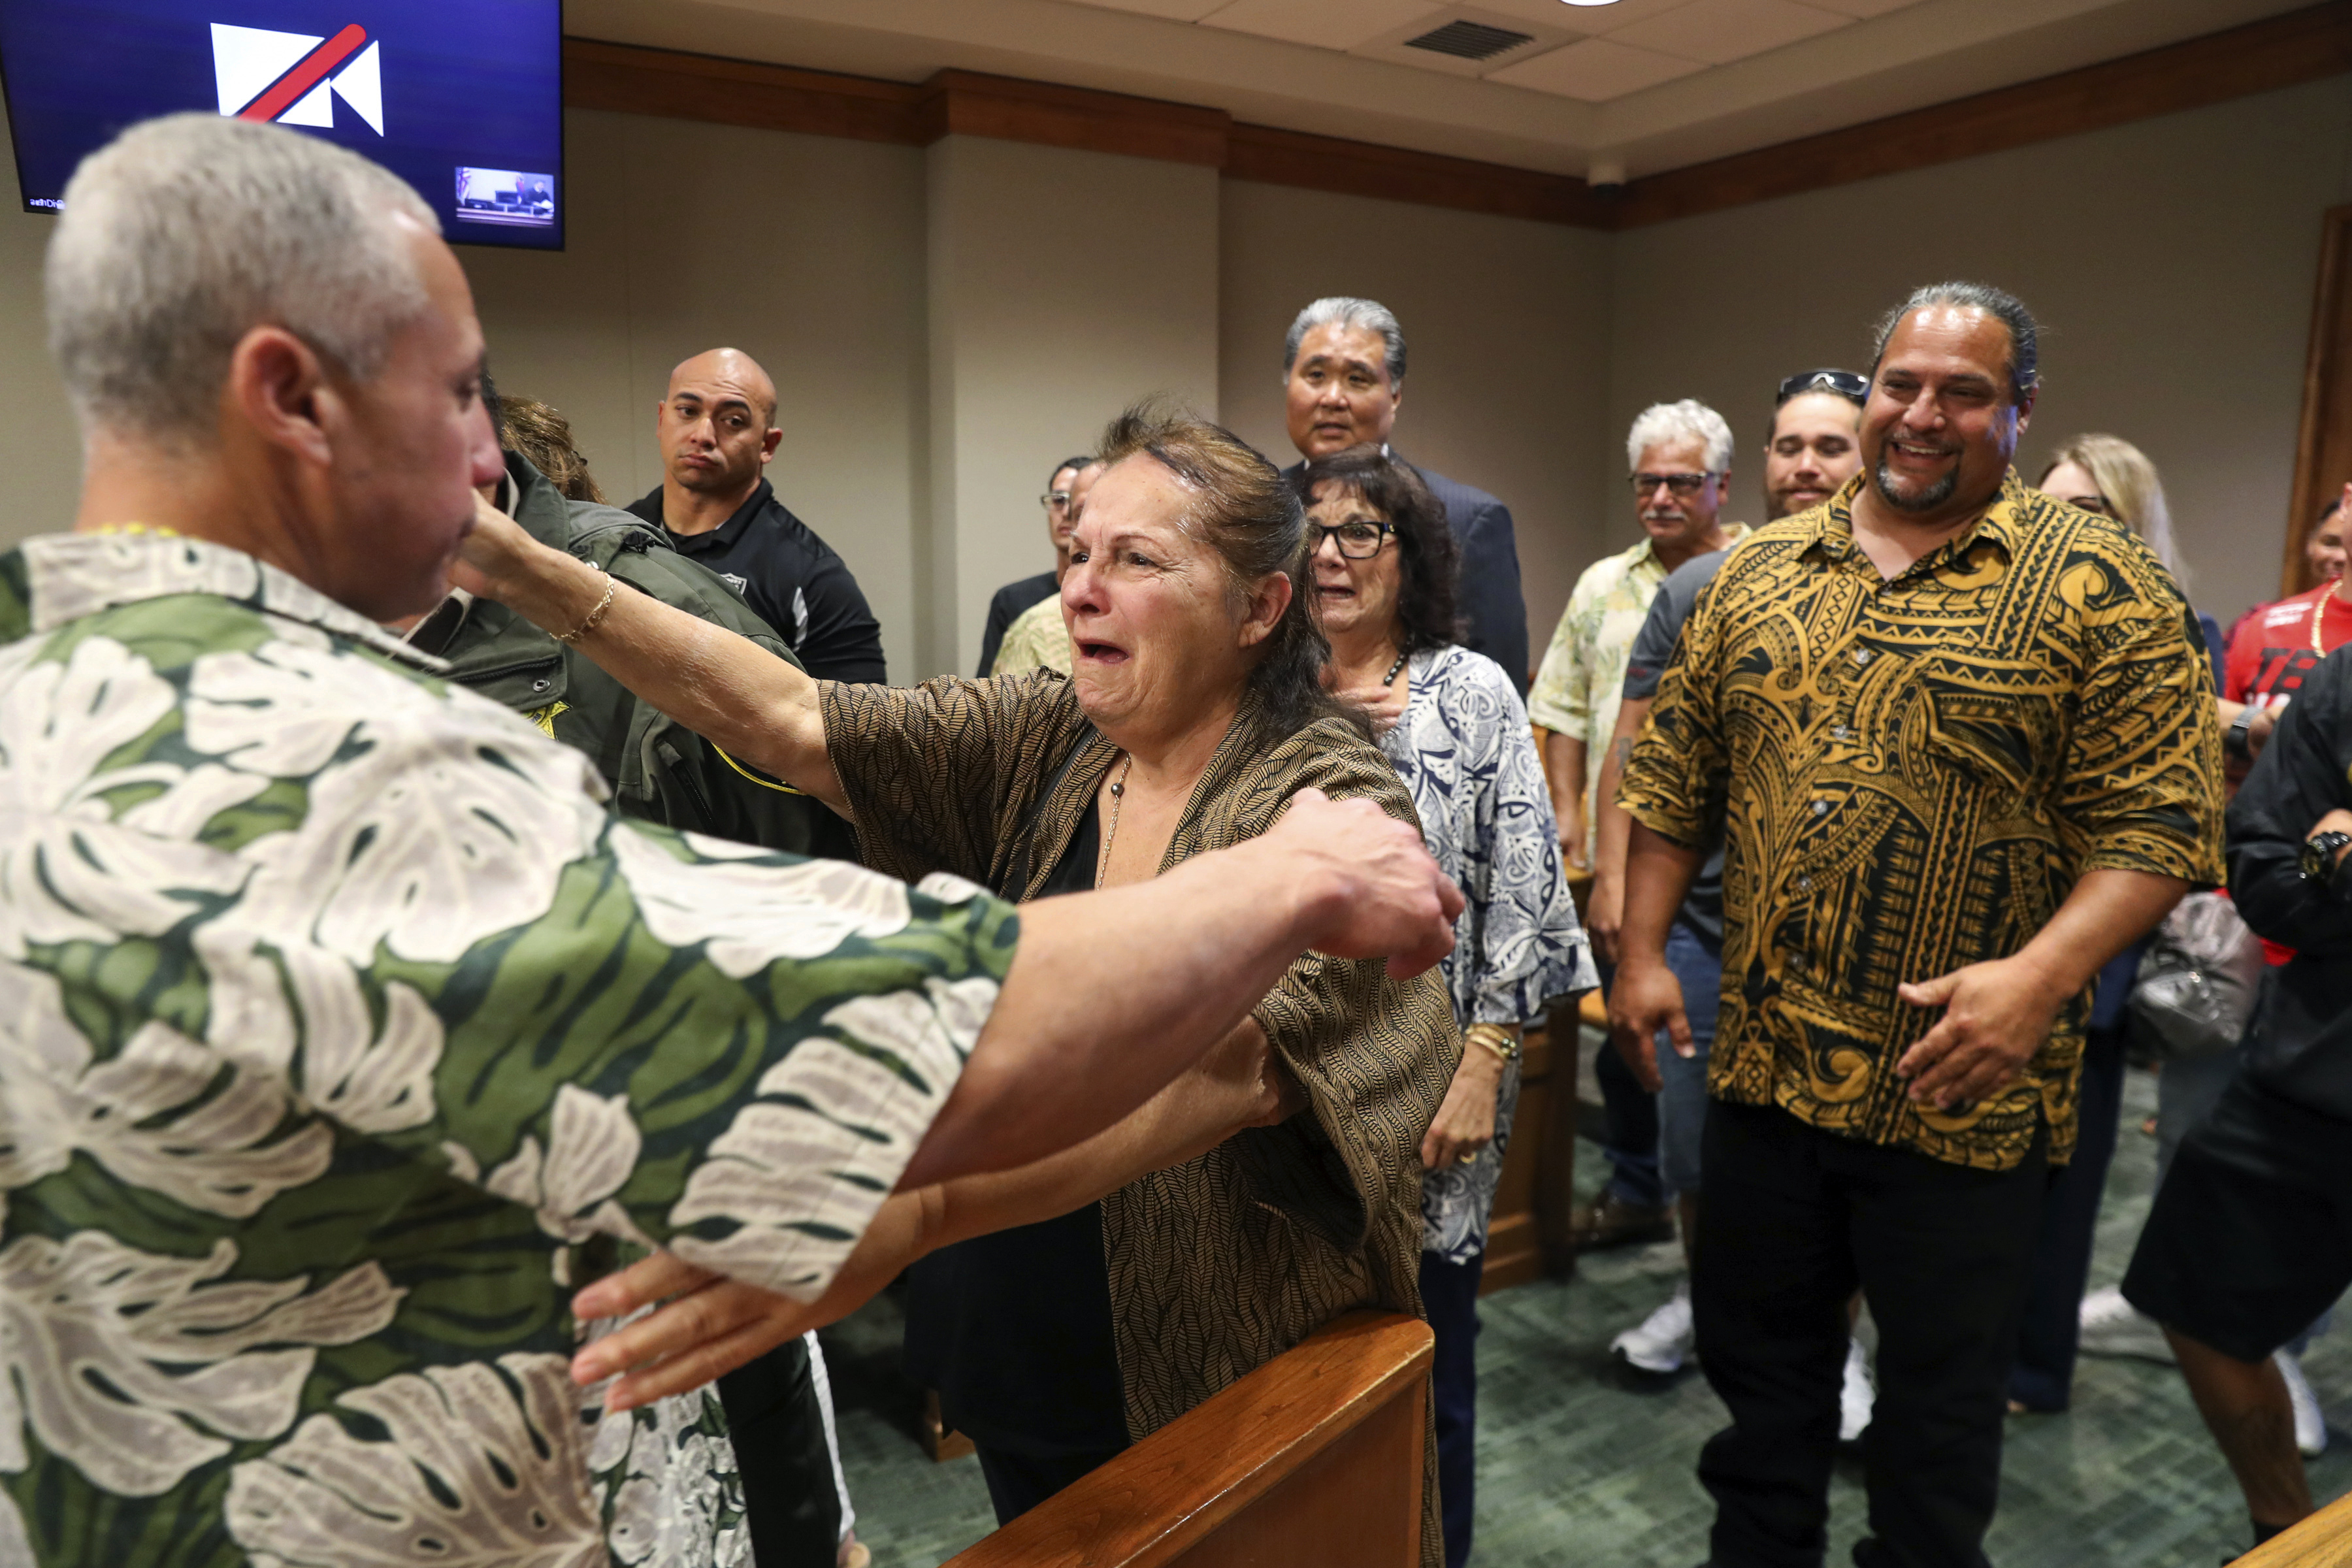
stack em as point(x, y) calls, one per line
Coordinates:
point(1343, 367)
point(345, 1031)
point(1679, 457)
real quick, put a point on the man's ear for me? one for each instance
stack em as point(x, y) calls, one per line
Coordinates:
point(1266, 604)
point(277, 386)
point(2026, 408)
point(768, 443)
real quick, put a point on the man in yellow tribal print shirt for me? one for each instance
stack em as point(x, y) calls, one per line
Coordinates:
point(1959, 740)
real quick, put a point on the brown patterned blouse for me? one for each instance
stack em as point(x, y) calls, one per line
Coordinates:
point(1224, 1262)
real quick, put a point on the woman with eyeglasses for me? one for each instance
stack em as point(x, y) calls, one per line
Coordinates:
point(1451, 721)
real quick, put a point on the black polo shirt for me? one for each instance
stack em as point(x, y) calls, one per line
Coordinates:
point(791, 579)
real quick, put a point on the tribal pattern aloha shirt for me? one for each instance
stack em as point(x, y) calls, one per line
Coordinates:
point(342, 1032)
point(1910, 777)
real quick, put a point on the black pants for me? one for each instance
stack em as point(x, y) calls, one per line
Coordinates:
point(1019, 1481)
point(1795, 1219)
point(2043, 1377)
point(778, 1430)
point(1449, 1295)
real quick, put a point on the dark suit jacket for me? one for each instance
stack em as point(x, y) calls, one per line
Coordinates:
point(1006, 608)
point(1494, 611)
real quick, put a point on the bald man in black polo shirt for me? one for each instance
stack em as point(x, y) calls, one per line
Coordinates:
point(718, 429)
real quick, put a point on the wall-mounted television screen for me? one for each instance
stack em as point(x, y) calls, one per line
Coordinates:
point(462, 99)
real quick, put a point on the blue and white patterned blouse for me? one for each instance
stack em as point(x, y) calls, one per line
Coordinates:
point(1464, 749)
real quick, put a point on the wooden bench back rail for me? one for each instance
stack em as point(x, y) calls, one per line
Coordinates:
point(1314, 1459)
point(2322, 1541)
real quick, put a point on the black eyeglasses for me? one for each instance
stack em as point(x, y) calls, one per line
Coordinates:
point(1844, 383)
point(1681, 484)
point(1356, 541)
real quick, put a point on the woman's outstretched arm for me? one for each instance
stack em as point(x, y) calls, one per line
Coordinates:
point(724, 688)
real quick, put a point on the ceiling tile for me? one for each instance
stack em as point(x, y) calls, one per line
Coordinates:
point(1588, 18)
point(1721, 31)
point(1595, 70)
point(1333, 24)
point(1179, 10)
point(1865, 7)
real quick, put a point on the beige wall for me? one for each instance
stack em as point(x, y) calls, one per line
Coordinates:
point(2171, 263)
point(943, 322)
point(806, 252)
point(38, 449)
point(1063, 286)
point(1507, 323)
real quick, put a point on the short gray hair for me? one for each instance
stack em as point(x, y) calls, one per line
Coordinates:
point(2024, 332)
point(185, 233)
point(1689, 420)
point(1343, 310)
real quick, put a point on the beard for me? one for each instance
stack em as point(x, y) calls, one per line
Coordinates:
point(1928, 498)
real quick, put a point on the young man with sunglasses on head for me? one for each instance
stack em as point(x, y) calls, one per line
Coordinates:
point(1679, 455)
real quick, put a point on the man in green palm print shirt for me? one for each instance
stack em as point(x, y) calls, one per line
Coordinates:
point(343, 1031)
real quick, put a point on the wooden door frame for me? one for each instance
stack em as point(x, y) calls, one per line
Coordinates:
point(2323, 447)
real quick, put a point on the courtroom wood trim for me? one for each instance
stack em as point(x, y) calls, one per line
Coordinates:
point(1007, 109)
point(628, 79)
point(1171, 1491)
point(2323, 447)
point(1270, 156)
point(2322, 1541)
point(2281, 51)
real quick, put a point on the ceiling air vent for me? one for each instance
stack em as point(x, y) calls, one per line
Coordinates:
point(1470, 41)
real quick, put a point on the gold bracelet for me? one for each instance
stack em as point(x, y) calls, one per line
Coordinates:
point(1496, 1038)
point(593, 618)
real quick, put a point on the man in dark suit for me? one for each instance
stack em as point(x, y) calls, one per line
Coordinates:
point(1343, 371)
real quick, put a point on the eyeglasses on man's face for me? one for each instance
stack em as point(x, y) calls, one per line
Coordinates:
point(1055, 498)
point(1681, 484)
point(1357, 540)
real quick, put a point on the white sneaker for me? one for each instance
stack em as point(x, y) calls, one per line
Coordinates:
point(1856, 1396)
point(1664, 1338)
point(2113, 1326)
point(2310, 1426)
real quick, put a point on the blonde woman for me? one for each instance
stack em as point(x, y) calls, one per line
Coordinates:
point(2109, 476)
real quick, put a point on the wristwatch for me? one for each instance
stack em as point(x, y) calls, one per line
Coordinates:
point(2319, 860)
point(2238, 740)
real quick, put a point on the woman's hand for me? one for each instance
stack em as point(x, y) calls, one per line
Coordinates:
point(710, 1324)
point(1465, 1124)
point(1384, 705)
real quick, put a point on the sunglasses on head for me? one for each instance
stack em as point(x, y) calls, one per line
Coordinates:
point(1844, 383)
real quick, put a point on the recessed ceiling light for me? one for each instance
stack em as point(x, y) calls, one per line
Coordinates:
point(1589, 1)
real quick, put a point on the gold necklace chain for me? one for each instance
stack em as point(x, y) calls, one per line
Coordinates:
point(1118, 800)
point(2319, 616)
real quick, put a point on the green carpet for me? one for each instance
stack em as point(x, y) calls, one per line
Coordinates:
point(1581, 1464)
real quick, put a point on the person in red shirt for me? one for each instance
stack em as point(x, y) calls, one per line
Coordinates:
point(2274, 648)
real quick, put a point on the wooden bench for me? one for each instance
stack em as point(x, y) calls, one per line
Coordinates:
point(1314, 1459)
point(2322, 1541)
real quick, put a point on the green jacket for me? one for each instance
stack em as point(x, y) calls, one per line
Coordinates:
point(658, 770)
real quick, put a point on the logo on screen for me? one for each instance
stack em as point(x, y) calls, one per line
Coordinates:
point(294, 79)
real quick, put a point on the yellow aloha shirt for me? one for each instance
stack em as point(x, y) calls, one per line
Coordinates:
point(1038, 638)
point(1910, 777)
point(1583, 678)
